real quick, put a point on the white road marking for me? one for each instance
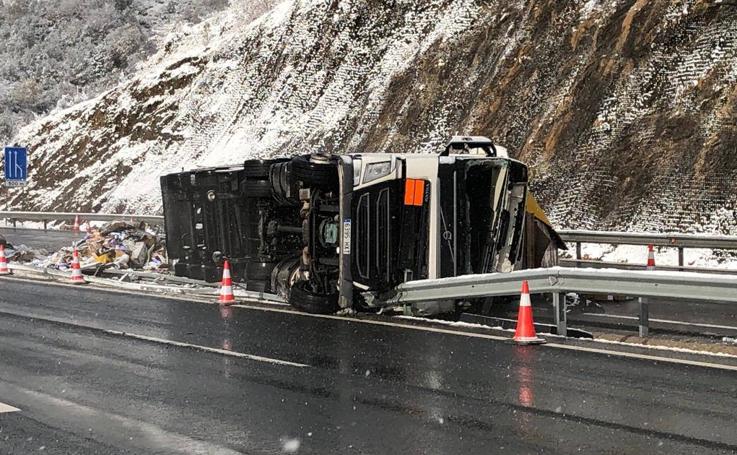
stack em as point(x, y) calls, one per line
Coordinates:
point(666, 321)
point(242, 355)
point(654, 358)
point(383, 323)
point(5, 408)
point(421, 328)
point(180, 344)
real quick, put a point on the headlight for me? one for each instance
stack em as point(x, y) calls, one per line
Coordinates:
point(377, 170)
point(356, 172)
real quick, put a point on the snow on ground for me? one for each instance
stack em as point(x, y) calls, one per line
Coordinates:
point(637, 254)
point(459, 324)
point(661, 347)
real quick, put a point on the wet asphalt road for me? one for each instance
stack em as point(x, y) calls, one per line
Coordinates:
point(350, 387)
point(716, 319)
point(35, 238)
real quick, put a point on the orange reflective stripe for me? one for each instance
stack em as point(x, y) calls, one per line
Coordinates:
point(409, 192)
point(419, 192)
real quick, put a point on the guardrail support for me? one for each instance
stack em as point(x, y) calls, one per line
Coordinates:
point(644, 317)
point(578, 252)
point(559, 306)
point(680, 258)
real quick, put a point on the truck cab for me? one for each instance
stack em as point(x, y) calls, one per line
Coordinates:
point(333, 232)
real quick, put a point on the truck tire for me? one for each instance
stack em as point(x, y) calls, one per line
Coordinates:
point(258, 271)
point(257, 275)
point(258, 286)
point(281, 183)
point(257, 169)
point(256, 188)
point(304, 299)
point(321, 174)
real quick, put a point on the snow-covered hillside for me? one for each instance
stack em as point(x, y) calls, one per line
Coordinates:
point(55, 53)
point(625, 110)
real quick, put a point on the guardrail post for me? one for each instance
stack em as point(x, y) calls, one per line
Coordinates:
point(644, 317)
point(45, 227)
point(680, 259)
point(578, 254)
point(559, 305)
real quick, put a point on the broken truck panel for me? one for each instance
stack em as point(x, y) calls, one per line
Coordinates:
point(330, 232)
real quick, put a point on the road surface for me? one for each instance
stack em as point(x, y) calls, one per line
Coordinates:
point(36, 238)
point(98, 372)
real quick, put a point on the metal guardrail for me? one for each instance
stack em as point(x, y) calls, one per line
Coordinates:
point(45, 217)
point(560, 280)
point(673, 240)
point(589, 263)
point(636, 238)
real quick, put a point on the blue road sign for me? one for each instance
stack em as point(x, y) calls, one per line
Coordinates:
point(16, 166)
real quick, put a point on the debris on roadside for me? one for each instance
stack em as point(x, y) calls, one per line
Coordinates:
point(23, 253)
point(118, 245)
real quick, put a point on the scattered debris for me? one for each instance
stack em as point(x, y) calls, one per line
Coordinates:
point(119, 245)
point(23, 253)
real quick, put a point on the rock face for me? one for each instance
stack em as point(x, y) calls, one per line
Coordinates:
point(626, 111)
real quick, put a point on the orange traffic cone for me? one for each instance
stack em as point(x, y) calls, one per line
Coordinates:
point(525, 333)
point(4, 270)
point(77, 277)
point(650, 257)
point(226, 288)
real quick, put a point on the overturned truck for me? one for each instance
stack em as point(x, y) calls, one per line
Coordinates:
point(332, 232)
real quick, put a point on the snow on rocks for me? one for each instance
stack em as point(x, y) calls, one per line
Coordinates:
point(404, 76)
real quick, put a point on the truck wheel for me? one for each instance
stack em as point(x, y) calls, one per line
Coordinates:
point(315, 171)
point(259, 271)
point(303, 298)
point(258, 275)
point(256, 188)
point(284, 275)
point(258, 286)
point(257, 169)
point(281, 182)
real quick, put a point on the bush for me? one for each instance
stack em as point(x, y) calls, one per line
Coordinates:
point(55, 51)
